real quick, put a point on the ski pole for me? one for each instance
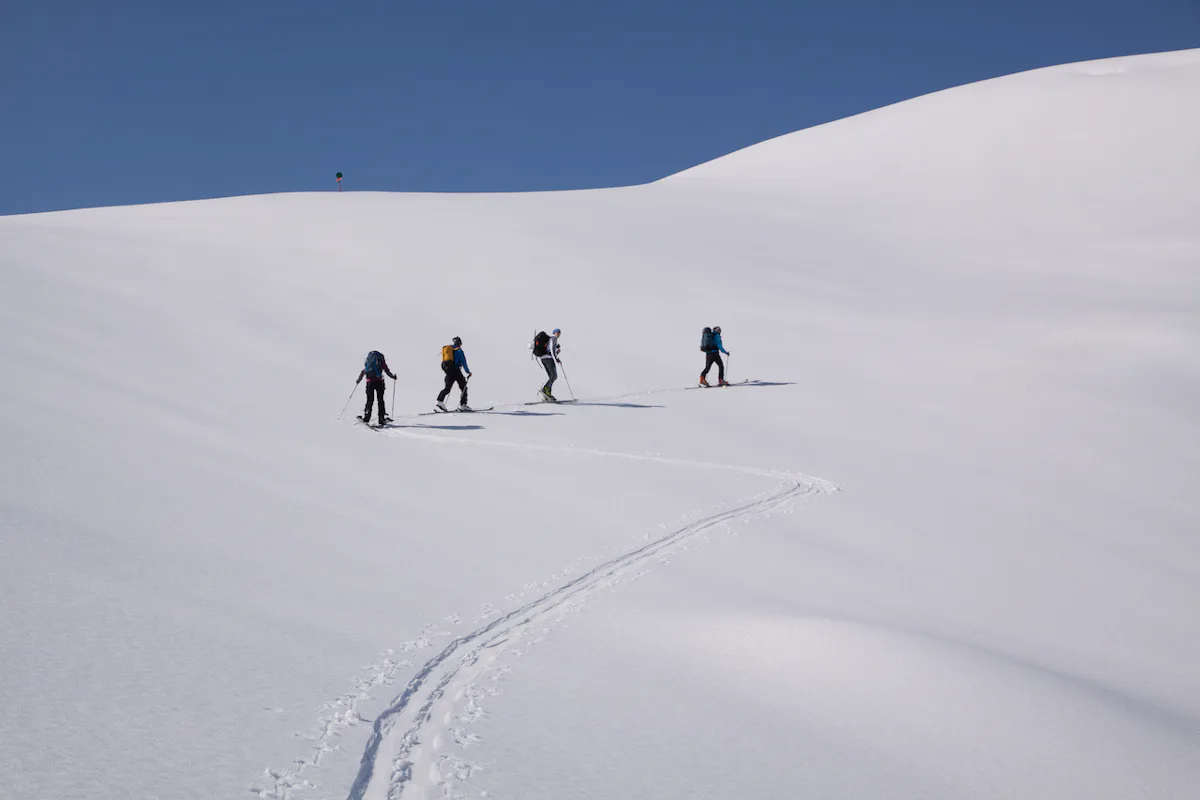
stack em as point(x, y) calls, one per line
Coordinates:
point(567, 380)
point(394, 382)
point(728, 366)
point(348, 399)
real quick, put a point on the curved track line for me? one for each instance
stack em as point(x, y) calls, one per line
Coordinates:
point(822, 485)
point(431, 694)
point(396, 733)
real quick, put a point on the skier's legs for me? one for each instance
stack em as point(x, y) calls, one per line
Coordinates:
point(462, 384)
point(720, 366)
point(449, 382)
point(370, 400)
point(551, 371)
point(710, 359)
point(380, 390)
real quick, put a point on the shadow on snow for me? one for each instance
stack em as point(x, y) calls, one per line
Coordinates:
point(612, 405)
point(437, 427)
point(524, 413)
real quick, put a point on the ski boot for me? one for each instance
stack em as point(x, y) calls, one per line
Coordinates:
point(549, 398)
point(722, 382)
point(441, 406)
point(703, 381)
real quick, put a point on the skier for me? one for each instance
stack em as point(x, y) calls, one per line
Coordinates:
point(454, 363)
point(710, 343)
point(373, 370)
point(546, 348)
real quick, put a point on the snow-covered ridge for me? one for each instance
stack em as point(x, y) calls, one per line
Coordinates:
point(975, 312)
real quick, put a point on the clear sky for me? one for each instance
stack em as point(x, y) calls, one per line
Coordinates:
point(135, 101)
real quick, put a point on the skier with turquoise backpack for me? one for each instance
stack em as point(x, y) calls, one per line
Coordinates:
point(373, 370)
point(711, 346)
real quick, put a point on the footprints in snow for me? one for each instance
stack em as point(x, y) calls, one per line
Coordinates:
point(337, 716)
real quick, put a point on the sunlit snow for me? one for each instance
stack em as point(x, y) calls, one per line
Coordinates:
point(945, 546)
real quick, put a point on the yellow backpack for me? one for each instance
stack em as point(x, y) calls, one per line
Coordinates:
point(448, 354)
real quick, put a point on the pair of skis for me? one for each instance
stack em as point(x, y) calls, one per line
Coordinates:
point(389, 421)
point(459, 410)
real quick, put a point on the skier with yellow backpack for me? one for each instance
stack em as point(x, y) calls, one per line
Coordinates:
point(454, 363)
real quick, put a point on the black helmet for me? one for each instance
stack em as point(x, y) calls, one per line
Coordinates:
point(716, 328)
point(457, 342)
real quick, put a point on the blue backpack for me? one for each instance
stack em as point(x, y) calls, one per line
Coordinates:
point(707, 342)
point(374, 365)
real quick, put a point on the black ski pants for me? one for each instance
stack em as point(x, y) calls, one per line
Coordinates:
point(551, 371)
point(375, 389)
point(714, 357)
point(453, 375)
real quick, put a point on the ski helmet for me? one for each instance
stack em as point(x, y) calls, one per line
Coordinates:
point(716, 328)
point(457, 342)
point(557, 331)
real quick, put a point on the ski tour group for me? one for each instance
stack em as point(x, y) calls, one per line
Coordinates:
point(544, 349)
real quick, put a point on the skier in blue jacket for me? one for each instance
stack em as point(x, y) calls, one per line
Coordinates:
point(454, 364)
point(713, 350)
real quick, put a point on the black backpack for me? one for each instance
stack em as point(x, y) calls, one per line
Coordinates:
point(541, 344)
point(706, 341)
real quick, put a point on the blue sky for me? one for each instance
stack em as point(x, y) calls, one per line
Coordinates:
point(152, 100)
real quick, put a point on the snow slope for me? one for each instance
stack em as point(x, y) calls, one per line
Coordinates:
point(977, 314)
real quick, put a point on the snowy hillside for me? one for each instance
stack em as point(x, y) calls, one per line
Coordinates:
point(948, 545)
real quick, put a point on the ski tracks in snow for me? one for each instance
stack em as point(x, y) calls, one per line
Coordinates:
point(416, 743)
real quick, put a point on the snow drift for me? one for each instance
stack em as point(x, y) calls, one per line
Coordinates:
point(976, 313)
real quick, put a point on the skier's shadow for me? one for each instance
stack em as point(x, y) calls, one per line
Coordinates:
point(525, 413)
point(762, 383)
point(614, 405)
point(440, 427)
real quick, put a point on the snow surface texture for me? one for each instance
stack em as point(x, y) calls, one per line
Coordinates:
point(976, 313)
